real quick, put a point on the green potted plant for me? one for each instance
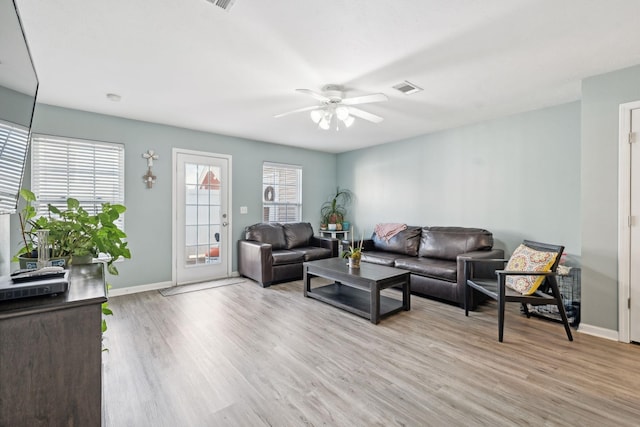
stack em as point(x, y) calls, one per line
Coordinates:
point(333, 211)
point(74, 233)
point(354, 253)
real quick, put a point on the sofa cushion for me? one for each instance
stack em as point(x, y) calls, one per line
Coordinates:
point(431, 267)
point(297, 234)
point(525, 258)
point(405, 242)
point(312, 253)
point(382, 258)
point(285, 256)
point(449, 242)
point(267, 233)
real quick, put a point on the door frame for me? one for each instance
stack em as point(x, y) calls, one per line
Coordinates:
point(624, 212)
point(174, 208)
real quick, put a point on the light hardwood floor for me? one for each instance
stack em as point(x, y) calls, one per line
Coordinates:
point(241, 355)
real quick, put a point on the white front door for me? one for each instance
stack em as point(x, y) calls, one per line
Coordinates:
point(202, 224)
point(634, 274)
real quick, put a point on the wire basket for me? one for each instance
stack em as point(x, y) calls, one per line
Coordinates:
point(569, 284)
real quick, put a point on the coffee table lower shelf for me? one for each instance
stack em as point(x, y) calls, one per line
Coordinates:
point(354, 300)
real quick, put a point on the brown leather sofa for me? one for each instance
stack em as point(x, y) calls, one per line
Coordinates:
point(434, 256)
point(271, 253)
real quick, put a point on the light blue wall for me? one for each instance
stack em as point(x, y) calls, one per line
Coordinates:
point(601, 99)
point(15, 107)
point(517, 176)
point(148, 217)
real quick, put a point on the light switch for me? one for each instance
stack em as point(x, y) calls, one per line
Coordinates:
point(243, 209)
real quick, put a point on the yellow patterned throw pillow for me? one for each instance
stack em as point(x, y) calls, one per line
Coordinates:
point(526, 259)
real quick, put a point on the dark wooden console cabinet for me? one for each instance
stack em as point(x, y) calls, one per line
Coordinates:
point(51, 355)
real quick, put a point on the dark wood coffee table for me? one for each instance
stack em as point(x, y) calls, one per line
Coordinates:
point(358, 290)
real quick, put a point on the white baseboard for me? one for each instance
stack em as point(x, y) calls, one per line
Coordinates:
point(597, 331)
point(115, 292)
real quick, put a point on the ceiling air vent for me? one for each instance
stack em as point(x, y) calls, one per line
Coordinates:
point(407, 88)
point(223, 4)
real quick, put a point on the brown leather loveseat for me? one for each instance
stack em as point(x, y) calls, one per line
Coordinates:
point(271, 253)
point(434, 256)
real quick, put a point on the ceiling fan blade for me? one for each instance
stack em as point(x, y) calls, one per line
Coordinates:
point(364, 115)
point(316, 95)
point(365, 99)
point(299, 110)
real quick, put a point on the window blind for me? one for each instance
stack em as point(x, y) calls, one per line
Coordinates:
point(90, 171)
point(14, 144)
point(281, 192)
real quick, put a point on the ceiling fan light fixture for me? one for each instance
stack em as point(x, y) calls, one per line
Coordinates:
point(335, 109)
point(324, 123)
point(349, 121)
point(316, 115)
point(342, 113)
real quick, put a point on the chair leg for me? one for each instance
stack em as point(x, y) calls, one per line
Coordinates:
point(466, 299)
point(560, 304)
point(466, 288)
point(501, 303)
point(526, 310)
point(500, 319)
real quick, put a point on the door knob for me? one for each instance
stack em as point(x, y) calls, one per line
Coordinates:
point(225, 223)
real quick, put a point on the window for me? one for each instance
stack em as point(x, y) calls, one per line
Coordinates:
point(90, 171)
point(281, 193)
point(14, 141)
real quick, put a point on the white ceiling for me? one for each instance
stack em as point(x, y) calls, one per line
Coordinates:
point(189, 63)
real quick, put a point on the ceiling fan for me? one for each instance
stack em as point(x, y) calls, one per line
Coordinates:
point(335, 108)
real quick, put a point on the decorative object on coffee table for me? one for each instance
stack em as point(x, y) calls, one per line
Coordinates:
point(354, 253)
point(354, 261)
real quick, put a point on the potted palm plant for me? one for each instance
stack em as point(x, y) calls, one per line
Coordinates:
point(332, 212)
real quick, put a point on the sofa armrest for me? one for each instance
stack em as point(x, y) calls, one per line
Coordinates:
point(255, 261)
point(325, 242)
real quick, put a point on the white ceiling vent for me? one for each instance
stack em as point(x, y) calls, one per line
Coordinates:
point(223, 4)
point(407, 88)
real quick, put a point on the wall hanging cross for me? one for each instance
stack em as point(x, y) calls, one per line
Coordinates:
point(149, 178)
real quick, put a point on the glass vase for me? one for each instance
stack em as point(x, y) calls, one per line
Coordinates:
point(43, 249)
